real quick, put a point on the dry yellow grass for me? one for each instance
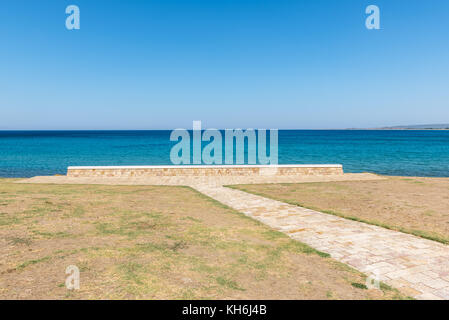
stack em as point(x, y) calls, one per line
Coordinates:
point(144, 242)
point(419, 206)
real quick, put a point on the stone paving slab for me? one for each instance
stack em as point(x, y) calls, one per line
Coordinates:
point(418, 266)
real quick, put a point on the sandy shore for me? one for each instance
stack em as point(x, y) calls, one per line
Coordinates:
point(188, 180)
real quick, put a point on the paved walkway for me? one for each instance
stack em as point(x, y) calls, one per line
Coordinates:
point(418, 266)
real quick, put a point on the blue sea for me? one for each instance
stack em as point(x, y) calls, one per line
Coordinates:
point(389, 152)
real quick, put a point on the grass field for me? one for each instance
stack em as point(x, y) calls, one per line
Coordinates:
point(144, 242)
point(418, 206)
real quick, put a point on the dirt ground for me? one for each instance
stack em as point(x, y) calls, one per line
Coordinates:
point(147, 242)
point(418, 206)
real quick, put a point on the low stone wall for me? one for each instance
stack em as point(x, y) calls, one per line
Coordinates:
point(204, 170)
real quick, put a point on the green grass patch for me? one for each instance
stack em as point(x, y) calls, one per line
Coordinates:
point(31, 262)
point(359, 285)
point(78, 212)
point(19, 240)
point(52, 235)
point(227, 283)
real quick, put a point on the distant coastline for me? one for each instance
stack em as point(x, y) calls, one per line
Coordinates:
point(409, 129)
point(444, 126)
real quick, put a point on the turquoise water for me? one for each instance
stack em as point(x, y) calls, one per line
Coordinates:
point(395, 152)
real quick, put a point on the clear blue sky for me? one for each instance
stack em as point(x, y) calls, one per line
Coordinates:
point(230, 63)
